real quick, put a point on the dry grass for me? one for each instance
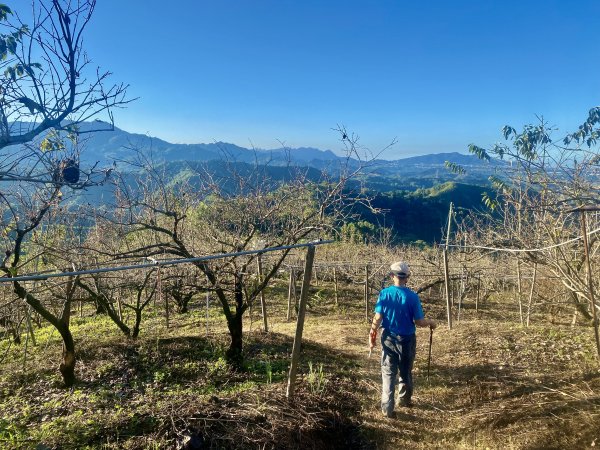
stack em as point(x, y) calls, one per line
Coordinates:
point(493, 384)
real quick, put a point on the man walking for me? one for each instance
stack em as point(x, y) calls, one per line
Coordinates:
point(398, 310)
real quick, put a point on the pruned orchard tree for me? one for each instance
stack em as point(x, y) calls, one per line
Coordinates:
point(47, 88)
point(546, 179)
point(229, 207)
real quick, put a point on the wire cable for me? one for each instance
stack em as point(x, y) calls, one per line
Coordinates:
point(522, 250)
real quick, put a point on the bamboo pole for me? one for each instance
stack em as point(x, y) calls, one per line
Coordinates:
point(160, 296)
point(263, 303)
point(366, 292)
point(533, 280)
point(335, 286)
point(291, 292)
point(446, 270)
point(310, 255)
point(120, 305)
point(590, 280)
point(478, 293)
point(29, 326)
point(520, 291)
point(207, 304)
point(461, 293)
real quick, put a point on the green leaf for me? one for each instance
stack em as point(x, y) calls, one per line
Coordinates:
point(479, 152)
point(507, 131)
point(10, 72)
point(4, 11)
point(455, 168)
point(11, 44)
point(498, 183)
point(488, 201)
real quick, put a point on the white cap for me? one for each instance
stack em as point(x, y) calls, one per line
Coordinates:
point(400, 269)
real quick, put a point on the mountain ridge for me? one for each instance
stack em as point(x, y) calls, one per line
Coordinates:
point(117, 144)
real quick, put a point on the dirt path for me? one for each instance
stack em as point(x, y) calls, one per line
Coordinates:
point(492, 385)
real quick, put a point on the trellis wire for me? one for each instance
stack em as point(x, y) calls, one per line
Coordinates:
point(158, 263)
point(523, 250)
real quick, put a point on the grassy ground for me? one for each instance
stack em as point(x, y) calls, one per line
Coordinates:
point(492, 384)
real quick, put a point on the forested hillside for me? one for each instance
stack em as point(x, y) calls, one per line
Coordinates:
point(414, 216)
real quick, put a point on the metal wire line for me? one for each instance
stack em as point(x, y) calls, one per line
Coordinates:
point(522, 250)
point(158, 263)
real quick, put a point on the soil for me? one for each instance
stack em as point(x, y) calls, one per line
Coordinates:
point(491, 384)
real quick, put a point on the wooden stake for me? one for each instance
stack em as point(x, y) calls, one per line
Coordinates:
point(590, 280)
point(291, 292)
point(533, 279)
point(263, 303)
point(335, 286)
point(310, 255)
point(208, 301)
point(478, 293)
point(446, 271)
point(520, 291)
point(29, 326)
point(460, 291)
point(119, 305)
point(366, 292)
point(160, 296)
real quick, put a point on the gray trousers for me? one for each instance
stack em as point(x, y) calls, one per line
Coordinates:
point(397, 358)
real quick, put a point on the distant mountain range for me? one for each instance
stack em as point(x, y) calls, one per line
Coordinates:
point(117, 144)
point(105, 147)
point(414, 192)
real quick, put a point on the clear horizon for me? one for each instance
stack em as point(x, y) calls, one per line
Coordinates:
point(435, 77)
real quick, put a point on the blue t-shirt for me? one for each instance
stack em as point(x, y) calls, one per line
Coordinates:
point(400, 307)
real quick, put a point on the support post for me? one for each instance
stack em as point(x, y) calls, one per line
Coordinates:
point(520, 291)
point(310, 255)
point(530, 301)
point(207, 303)
point(29, 326)
point(291, 292)
point(263, 303)
point(446, 270)
point(335, 286)
point(590, 280)
point(160, 296)
point(366, 293)
point(478, 293)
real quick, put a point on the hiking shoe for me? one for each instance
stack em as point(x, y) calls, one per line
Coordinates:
point(406, 402)
point(389, 415)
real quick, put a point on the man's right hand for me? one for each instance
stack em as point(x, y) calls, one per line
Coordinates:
point(372, 339)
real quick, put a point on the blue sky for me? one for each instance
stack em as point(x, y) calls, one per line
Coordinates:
point(434, 75)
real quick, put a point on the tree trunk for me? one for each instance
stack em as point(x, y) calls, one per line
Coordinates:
point(138, 321)
point(103, 304)
point(234, 353)
point(67, 367)
point(234, 323)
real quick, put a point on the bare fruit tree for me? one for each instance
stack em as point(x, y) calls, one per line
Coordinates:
point(532, 216)
point(47, 89)
point(228, 207)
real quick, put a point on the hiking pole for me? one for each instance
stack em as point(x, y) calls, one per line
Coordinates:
point(429, 359)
